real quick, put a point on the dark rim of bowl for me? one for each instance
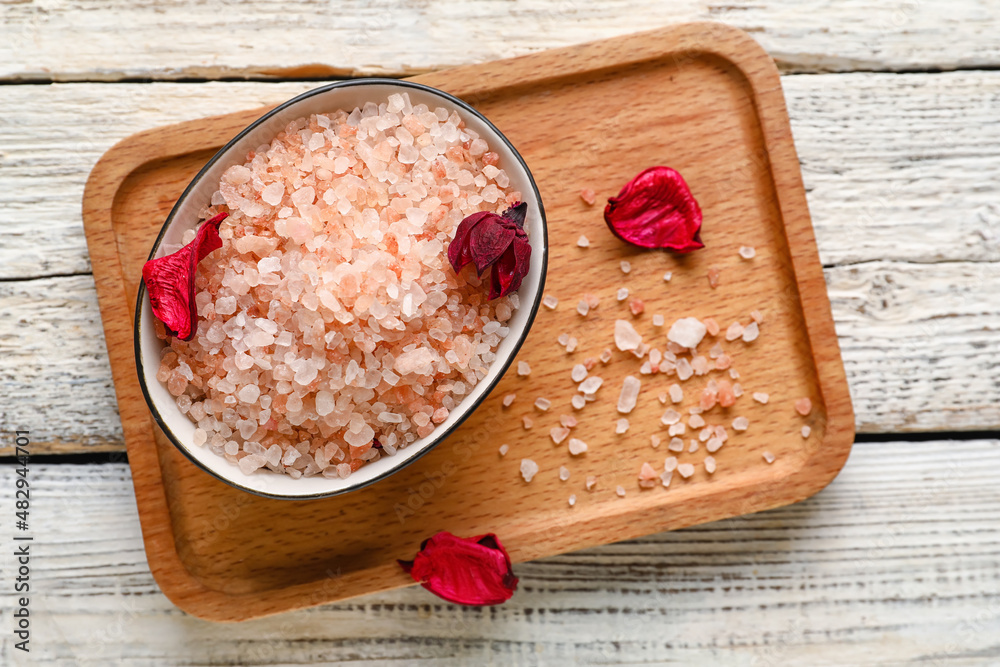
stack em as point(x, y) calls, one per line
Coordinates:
point(137, 347)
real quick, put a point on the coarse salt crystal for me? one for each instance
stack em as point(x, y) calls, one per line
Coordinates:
point(710, 464)
point(670, 417)
point(583, 307)
point(621, 426)
point(550, 301)
point(803, 406)
point(622, 293)
point(713, 445)
point(563, 473)
point(629, 394)
point(577, 446)
point(747, 252)
point(676, 393)
point(696, 421)
point(569, 421)
point(675, 445)
point(578, 402)
point(769, 457)
point(756, 316)
point(658, 320)
point(591, 482)
point(626, 337)
point(677, 429)
point(750, 332)
point(734, 331)
point(693, 446)
point(687, 332)
point(654, 440)
point(761, 397)
point(528, 469)
point(806, 431)
point(523, 368)
point(571, 344)
point(667, 276)
point(508, 399)
point(626, 266)
point(685, 470)
point(504, 449)
point(563, 339)
point(741, 424)
point(590, 385)
point(583, 242)
point(620, 491)
point(527, 422)
point(558, 434)
point(579, 373)
point(572, 499)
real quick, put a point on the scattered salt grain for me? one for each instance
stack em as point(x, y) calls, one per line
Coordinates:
point(542, 404)
point(621, 426)
point(670, 417)
point(528, 469)
point(622, 293)
point(769, 457)
point(696, 421)
point(710, 464)
point(550, 301)
point(572, 499)
point(504, 449)
point(670, 464)
point(711, 326)
point(687, 332)
point(637, 307)
point(571, 344)
point(713, 445)
point(579, 373)
point(676, 393)
point(648, 476)
point(563, 339)
point(747, 252)
point(583, 242)
point(626, 337)
point(508, 399)
point(741, 424)
point(713, 277)
point(563, 473)
point(734, 331)
point(761, 397)
point(527, 422)
point(685, 470)
point(629, 395)
point(757, 316)
point(578, 402)
point(523, 368)
point(605, 356)
point(590, 385)
point(588, 196)
point(558, 434)
point(620, 491)
point(750, 332)
point(626, 266)
point(667, 276)
point(677, 429)
point(684, 369)
point(666, 478)
point(803, 406)
point(568, 421)
point(583, 307)
point(577, 446)
point(676, 445)
point(654, 440)
point(591, 482)
point(693, 447)
point(806, 431)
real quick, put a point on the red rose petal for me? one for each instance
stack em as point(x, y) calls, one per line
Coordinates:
point(473, 570)
point(499, 241)
point(656, 210)
point(170, 280)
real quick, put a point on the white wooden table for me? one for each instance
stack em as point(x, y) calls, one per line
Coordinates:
point(896, 115)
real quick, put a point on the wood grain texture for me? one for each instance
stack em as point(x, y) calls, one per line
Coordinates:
point(720, 96)
point(61, 41)
point(893, 564)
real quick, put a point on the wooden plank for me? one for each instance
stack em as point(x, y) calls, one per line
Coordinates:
point(108, 41)
point(894, 563)
point(876, 189)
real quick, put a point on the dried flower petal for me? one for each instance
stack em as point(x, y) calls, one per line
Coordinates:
point(656, 210)
point(170, 280)
point(473, 571)
point(486, 240)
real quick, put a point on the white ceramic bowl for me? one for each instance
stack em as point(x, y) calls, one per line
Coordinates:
point(184, 216)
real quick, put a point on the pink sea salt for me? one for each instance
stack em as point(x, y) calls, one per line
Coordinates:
point(330, 316)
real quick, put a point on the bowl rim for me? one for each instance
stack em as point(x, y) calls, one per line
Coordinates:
point(533, 311)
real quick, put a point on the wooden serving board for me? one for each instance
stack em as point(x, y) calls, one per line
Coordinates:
point(702, 98)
